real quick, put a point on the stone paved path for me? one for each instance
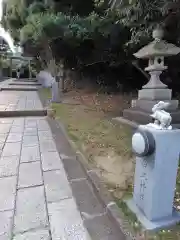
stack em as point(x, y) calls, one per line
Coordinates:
point(36, 199)
point(19, 100)
point(45, 194)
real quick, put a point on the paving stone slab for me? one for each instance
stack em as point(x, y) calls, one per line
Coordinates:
point(3, 137)
point(5, 225)
point(47, 146)
point(30, 131)
point(29, 141)
point(17, 129)
point(30, 154)
point(51, 161)
point(34, 235)
point(30, 174)
point(56, 186)
point(86, 199)
point(5, 128)
point(70, 226)
point(11, 149)
point(30, 123)
point(42, 125)
point(1, 146)
point(8, 188)
point(9, 166)
point(7, 120)
point(18, 122)
point(14, 137)
point(30, 209)
point(45, 135)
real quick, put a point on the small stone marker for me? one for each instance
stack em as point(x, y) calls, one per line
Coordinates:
point(157, 149)
point(57, 86)
point(56, 93)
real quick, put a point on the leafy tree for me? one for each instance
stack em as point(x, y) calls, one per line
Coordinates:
point(142, 16)
point(80, 7)
point(89, 32)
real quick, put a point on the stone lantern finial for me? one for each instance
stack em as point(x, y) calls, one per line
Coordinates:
point(158, 33)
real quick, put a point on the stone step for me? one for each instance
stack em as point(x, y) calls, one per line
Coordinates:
point(24, 84)
point(25, 80)
point(24, 113)
point(19, 88)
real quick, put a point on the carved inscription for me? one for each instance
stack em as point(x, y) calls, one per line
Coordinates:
point(143, 180)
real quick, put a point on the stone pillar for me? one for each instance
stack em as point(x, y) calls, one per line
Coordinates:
point(157, 161)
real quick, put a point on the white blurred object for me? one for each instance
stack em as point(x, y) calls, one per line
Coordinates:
point(45, 78)
point(162, 119)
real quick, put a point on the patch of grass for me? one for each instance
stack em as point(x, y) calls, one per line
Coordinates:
point(92, 129)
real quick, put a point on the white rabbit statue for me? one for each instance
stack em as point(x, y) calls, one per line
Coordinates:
point(162, 119)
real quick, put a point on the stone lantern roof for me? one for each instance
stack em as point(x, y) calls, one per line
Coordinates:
point(157, 48)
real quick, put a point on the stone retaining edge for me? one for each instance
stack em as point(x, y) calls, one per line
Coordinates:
point(24, 113)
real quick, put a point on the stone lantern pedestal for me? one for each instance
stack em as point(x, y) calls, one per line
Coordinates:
point(154, 91)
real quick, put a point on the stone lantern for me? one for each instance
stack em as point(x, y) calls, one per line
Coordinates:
point(154, 91)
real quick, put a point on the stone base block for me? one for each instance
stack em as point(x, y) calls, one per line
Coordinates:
point(153, 225)
point(143, 117)
point(147, 105)
point(155, 94)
